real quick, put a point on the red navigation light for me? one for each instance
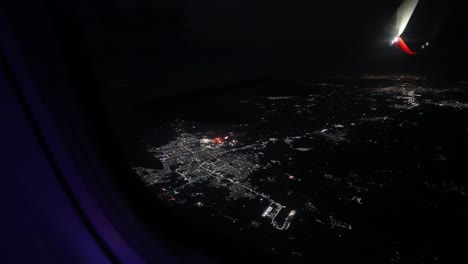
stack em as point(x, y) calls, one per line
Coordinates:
point(217, 140)
point(402, 45)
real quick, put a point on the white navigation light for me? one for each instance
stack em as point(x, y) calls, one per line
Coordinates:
point(404, 13)
point(427, 43)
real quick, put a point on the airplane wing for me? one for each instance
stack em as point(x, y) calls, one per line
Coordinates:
point(404, 13)
point(403, 16)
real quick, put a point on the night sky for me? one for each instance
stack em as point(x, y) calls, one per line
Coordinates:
point(218, 42)
point(170, 47)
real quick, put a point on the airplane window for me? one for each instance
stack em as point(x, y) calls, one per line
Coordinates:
point(301, 131)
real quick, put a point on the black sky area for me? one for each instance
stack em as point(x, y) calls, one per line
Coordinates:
point(176, 46)
point(211, 42)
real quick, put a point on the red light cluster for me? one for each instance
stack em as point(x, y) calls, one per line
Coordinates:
point(402, 45)
point(217, 140)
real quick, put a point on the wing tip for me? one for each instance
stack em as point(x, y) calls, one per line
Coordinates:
point(402, 46)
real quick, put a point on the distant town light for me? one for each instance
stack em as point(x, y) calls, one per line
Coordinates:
point(205, 140)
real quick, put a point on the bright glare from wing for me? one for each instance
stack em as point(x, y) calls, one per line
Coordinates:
point(404, 13)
